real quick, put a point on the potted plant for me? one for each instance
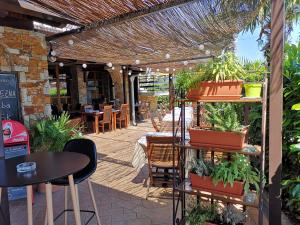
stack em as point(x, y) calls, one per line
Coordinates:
point(203, 214)
point(254, 78)
point(206, 214)
point(228, 177)
point(227, 131)
point(51, 135)
point(219, 79)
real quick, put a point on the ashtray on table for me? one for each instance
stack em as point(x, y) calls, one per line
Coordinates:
point(26, 167)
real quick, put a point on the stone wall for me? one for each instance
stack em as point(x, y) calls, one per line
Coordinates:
point(25, 53)
point(117, 78)
point(82, 88)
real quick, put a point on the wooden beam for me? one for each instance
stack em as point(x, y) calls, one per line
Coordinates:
point(125, 17)
point(276, 104)
point(14, 7)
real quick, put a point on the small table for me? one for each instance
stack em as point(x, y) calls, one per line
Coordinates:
point(49, 166)
point(96, 114)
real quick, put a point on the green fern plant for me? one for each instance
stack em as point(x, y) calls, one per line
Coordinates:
point(224, 117)
point(202, 213)
point(52, 134)
point(238, 169)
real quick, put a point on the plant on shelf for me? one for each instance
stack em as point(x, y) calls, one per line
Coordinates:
point(232, 216)
point(206, 214)
point(52, 134)
point(237, 169)
point(232, 177)
point(226, 132)
point(255, 75)
point(203, 214)
point(221, 78)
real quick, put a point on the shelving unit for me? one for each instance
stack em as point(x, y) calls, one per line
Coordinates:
point(183, 187)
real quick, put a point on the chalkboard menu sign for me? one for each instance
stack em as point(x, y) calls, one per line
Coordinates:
point(9, 97)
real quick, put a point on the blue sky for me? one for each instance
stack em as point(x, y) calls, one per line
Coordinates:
point(247, 46)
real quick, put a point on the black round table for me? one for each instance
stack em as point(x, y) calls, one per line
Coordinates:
point(49, 166)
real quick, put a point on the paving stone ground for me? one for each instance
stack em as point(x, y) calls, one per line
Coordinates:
point(119, 189)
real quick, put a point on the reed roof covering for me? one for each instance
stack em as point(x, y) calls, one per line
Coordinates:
point(122, 31)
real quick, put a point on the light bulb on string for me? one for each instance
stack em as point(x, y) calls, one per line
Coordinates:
point(137, 61)
point(121, 71)
point(109, 64)
point(129, 72)
point(113, 68)
point(53, 53)
point(157, 70)
point(141, 69)
point(185, 63)
point(84, 65)
point(70, 42)
point(201, 47)
point(167, 56)
point(207, 52)
point(174, 70)
point(61, 64)
point(124, 67)
point(167, 69)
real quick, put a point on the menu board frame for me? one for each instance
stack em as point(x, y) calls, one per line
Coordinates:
point(13, 75)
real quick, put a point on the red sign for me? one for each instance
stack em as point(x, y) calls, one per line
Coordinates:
point(14, 132)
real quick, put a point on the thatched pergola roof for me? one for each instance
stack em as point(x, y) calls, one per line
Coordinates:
point(122, 31)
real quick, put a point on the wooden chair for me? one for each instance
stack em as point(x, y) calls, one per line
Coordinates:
point(107, 118)
point(144, 110)
point(156, 125)
point(160, 161)
point(123, 115)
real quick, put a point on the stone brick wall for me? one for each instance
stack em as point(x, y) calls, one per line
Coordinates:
point(117, 78)
point(25, 53)
point(82, 89)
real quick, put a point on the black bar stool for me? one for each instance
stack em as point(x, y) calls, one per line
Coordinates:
point(86, 147)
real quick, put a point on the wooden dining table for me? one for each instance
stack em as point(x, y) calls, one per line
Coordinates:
point(96, 114)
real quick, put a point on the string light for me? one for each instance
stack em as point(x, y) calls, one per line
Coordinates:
point(207, 52)
point(141, 69)
point(167, 69)
point(157, 70)
point(113, 68)
point(129, 72)
point(121, 71)
point(124, 67)
point(174, 70)
point(168, 56)
point(61, 64)
point(185, 63)
point(70, 42)
point(53, 53)
point(109, 64)
point(137, 61)
point(84, 65)
point(201, 47)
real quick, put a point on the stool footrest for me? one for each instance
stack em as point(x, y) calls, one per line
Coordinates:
point(72, 210)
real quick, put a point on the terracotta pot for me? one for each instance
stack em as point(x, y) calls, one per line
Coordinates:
point(205, 183)
point(211, 90)
point(217, 139)
point(42, 188)
point(206, 223)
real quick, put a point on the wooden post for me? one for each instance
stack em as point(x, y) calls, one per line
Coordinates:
point(171, 92)
point(58, 88)
point(275, 127)
point(4, 207)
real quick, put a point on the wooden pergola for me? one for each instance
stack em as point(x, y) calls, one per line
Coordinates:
point(123, 31)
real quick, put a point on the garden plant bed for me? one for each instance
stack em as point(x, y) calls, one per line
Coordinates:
point(210, 90)
point(205, 183)
point(217, 139)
